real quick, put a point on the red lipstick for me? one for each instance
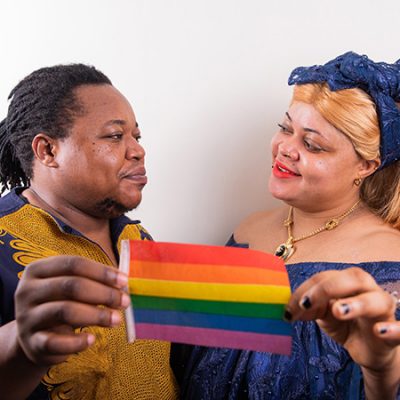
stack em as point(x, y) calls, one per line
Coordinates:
point(282, 171)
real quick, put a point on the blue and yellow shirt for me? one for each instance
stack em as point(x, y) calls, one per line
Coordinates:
point(109, 369)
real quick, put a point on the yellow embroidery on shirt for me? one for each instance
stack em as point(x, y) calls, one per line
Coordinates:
point(3, 232)
point(113, 369)
point(28, 252)
point(110, 368)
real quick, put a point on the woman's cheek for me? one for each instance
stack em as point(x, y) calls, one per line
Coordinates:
point(275, 145)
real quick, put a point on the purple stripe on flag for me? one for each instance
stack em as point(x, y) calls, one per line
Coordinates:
point(279, 344)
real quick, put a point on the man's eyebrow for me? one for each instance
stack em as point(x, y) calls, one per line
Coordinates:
point(118, 122)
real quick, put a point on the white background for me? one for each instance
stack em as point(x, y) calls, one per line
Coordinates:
point(207, 80)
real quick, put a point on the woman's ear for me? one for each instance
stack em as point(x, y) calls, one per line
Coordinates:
point(45, 149)
point(368, 167)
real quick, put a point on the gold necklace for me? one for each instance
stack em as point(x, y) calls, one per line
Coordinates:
point(286, 250)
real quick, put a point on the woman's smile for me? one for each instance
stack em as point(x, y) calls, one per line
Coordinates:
point(281, 171)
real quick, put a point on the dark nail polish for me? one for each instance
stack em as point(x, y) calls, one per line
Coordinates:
point(287, 316)
point(345, 308)
point(383, 330)
point(306, 302)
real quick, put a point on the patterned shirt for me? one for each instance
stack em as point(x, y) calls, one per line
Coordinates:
point(110, 368)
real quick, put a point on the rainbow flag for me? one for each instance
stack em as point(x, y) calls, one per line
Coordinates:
point(206, 295)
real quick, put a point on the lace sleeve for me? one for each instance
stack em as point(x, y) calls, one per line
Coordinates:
point(393, 287)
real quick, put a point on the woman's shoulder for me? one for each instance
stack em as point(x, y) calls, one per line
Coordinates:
point(378, 239)
point(384, 244)
point(259, 224)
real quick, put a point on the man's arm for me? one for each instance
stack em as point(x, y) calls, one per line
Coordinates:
point(18, 375)
point(54, 297)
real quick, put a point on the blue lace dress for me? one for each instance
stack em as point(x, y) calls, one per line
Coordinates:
point(317, 369)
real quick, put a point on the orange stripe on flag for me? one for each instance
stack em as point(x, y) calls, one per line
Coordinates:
point(206, 273)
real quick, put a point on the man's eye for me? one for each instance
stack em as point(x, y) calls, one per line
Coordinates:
point(116, 135)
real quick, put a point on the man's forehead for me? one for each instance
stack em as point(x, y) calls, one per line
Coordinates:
point(105, 101)
point(119, 122)
point(98, 94)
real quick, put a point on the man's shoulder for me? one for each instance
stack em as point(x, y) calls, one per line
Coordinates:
point(10, 203)
point(132, 229)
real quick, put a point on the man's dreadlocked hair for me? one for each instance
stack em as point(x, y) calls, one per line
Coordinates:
point(42, 102)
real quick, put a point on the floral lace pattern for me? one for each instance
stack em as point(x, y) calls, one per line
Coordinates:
point(380, 80)
point(317, 369)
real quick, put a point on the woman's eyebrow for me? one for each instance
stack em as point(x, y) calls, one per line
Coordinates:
point(304, 129)
point(313, 131)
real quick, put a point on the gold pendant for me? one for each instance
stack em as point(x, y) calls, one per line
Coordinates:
point(284, 250)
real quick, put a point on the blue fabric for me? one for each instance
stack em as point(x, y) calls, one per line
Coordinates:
point(317, 369)
point(380, 80)
point(213, 321)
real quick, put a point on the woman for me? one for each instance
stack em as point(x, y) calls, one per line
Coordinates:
point(335, 168)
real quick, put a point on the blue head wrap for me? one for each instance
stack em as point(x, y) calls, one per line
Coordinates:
point(380, 80)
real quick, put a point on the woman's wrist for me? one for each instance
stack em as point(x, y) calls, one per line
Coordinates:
point(383, 383)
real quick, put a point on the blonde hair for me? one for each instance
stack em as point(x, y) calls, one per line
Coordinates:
point(353, 112)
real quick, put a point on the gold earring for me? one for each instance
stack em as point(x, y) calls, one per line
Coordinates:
point(357, 181)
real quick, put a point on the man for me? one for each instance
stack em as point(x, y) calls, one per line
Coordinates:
point(70, 153)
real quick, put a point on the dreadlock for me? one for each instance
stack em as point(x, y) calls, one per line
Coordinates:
point(42, 102)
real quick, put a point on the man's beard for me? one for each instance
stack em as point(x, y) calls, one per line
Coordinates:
point(110, 208)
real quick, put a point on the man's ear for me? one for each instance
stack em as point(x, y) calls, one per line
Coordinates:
point(45, 149)
point(368, 167)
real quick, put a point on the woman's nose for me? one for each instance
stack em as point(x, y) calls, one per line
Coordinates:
point(289, 150)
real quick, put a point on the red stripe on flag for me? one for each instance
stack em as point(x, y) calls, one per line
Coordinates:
point(201, 254)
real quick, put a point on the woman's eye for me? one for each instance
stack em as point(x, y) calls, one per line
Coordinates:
point(284, 128)
point(311, 147)
point(138, 138)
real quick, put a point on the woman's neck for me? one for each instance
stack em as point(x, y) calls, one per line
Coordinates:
point(311, 218)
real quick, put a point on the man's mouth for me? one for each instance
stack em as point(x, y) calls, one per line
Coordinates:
point(137, 176)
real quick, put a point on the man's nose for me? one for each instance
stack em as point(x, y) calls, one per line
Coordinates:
point(134, 150)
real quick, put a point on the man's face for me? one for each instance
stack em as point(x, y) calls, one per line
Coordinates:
point(100, 163)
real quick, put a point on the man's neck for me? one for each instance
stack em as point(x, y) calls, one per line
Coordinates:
point(75, 218)
point(95, 229)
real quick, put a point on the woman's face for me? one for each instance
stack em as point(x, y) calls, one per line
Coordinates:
point(314, 164)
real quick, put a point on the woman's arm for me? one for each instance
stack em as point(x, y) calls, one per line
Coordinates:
point(349, 306)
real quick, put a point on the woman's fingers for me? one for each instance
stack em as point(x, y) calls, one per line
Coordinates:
point(388, 332)
point(372, 305)
point(312, 299)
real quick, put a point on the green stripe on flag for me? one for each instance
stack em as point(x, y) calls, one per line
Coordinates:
point(256, 310)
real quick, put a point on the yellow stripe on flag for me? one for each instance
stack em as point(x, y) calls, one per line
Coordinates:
point(210, 291)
